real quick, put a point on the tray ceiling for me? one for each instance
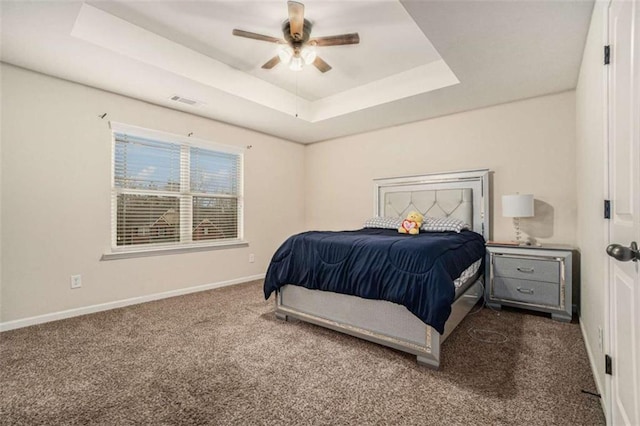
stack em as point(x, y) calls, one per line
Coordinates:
point(415, 60)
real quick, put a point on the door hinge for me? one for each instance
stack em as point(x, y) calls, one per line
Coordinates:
point(607, 54)
point(607, 209)
point(607, 365)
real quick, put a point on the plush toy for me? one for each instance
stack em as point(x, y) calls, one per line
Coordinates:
point(411, 224)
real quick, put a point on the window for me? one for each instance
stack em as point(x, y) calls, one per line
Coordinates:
point(173, 191)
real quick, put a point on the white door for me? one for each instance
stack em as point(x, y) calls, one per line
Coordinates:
point(624, 227)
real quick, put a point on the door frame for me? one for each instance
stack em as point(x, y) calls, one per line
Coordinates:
point(606, 339)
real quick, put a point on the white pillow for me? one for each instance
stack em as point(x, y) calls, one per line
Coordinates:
point(383, 222)
point(430, 224)
point(442, 224)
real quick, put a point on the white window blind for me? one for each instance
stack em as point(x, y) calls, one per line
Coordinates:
point(168, 191)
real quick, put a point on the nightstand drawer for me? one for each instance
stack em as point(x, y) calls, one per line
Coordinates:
point(527, 269)
point(537, 292)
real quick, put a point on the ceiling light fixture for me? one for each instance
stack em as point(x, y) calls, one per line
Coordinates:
point(297, 58)
point(297, 47)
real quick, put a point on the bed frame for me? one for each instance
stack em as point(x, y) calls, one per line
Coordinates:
point(463, 195)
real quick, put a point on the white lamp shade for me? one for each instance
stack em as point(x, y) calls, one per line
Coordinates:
point(285, 53)
point(519, 205)
point(296, 63)
point(309, 55)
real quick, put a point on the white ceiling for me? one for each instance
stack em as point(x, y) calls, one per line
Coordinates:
point(206, 28)
point(416, 59)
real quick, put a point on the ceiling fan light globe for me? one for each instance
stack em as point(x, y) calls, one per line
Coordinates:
point(308, 55)
point(296, 64)
point(285, 53)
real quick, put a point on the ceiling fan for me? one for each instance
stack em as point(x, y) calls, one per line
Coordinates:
point(297, 47)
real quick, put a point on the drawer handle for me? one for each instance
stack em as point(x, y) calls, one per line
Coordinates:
point(525, 290)
point(528, 270)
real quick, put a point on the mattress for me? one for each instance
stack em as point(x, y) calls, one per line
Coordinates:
point(467, 278)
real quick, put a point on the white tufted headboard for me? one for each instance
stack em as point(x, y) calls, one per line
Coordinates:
point(456, 203)
point(461, 195)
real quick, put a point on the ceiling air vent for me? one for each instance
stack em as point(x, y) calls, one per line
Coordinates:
point(184, 100)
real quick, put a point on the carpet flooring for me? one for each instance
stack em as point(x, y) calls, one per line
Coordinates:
point(220, 357)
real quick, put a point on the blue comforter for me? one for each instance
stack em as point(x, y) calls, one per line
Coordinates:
point(416, 271)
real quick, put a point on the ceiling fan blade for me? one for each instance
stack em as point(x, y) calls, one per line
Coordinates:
point(271, 63)
point(296, 19)
point(336, 40)
point(321, 64)
point(255, 36)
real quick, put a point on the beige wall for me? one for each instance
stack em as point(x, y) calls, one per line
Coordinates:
point(530, 145)
point(55, 194)
point(56, 170)
point(591, 188)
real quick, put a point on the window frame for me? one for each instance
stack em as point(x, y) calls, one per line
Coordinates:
point(185, 197)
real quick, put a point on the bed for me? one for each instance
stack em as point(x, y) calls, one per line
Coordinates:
point(418, 324)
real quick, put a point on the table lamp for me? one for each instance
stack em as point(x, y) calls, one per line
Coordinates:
point(517, 206)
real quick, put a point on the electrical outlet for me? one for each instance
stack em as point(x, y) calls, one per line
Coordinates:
point(252, 258)
point(76, 281)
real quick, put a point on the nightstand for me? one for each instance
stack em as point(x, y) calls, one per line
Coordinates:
point(531, 277)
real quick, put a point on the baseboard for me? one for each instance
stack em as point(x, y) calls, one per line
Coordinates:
point(592, 362)
point(54, 316)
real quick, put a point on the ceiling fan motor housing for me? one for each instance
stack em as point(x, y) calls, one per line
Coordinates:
point(304, 37)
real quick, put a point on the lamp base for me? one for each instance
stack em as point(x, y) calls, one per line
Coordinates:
point(526, 242)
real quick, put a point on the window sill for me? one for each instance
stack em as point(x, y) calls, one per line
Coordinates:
point(161, 251)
